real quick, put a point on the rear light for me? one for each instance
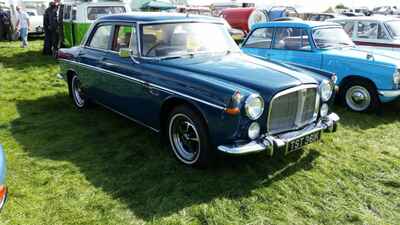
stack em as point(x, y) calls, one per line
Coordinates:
point(3, 195)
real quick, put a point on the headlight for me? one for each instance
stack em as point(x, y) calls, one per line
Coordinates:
point(254, 106)
point(254, 130)
point(324, 110)
point(326, 90)
point(396, 77)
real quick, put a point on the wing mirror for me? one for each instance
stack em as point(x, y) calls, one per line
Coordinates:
point(125, 52)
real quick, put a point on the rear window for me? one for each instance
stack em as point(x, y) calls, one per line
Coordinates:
point(95, 12)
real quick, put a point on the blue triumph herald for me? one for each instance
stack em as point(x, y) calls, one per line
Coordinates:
point(366, 78)
point(185, 77)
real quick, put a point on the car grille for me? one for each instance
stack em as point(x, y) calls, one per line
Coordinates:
point(293, 108)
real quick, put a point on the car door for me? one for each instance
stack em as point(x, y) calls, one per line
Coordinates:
point(259, 43)
point(293, 45)
point(126, 78)
point(91, 71)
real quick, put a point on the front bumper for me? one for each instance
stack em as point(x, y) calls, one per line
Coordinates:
point(272, 143)
point(389, 93)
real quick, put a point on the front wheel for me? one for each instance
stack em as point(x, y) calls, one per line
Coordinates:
point(360, 96)
point(188, 137)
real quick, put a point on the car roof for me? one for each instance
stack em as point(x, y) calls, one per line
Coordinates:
point(296, 24)
point(157, 17)
point(365, 18)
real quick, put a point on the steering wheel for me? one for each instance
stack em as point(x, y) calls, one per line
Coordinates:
point(153, 48)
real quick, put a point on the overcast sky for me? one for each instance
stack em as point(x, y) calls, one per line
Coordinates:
point(310, 4)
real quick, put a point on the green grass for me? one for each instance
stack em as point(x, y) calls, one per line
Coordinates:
point(95, 167)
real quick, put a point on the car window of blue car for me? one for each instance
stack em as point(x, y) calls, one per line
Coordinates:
point(331, 37)
point(260, 38)
point(176, 39)
point(101, 37)
point(124, 37)
point(291, 39)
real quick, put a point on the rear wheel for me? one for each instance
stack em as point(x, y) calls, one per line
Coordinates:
point(76, 92)
point(360, 96)
point(188, 137)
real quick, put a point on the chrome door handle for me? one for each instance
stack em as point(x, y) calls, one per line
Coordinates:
point(108, 64)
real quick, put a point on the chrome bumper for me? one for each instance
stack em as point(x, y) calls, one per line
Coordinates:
point(389, 93)
point(271, 143)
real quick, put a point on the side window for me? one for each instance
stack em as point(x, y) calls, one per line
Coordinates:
point(124, 37)
point(348, 27)
point(291, 39)
point(260, 38)
point(370, 30)
point(101, 37)
point(67, 12)
point(381, 32)
point(73, 16)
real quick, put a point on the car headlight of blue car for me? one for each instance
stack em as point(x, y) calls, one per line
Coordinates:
point(326, 90)
point(254, 106)
point(396, 78)
point(3, 188)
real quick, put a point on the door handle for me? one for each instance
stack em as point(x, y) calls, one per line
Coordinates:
point(108, 64)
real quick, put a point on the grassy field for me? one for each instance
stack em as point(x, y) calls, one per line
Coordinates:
point(95, 167)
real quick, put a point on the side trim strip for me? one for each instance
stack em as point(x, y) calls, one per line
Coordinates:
point(146, 83)
point(128, 117)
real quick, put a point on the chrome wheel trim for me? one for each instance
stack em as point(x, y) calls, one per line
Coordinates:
point(358, 98)
point(184, 138)
point(77, 92)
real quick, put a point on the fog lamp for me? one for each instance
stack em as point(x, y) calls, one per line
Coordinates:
point(324, 110)
point(254, 130)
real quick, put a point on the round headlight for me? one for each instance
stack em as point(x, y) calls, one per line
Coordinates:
point(326, 90)
point(324, 110)
point(254, 106)
point(396, 77)
point(254, 130)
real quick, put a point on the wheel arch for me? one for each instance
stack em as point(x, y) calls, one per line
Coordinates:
point(170, 103)
point(349, 78)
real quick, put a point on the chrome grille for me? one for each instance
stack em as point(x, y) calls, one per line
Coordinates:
point(293, 108)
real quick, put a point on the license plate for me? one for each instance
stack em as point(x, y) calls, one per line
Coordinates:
point(300, 142)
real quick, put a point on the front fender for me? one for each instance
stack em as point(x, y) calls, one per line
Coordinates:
point(381, 75)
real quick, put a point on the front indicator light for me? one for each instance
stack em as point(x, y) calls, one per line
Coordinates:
point(3, 195)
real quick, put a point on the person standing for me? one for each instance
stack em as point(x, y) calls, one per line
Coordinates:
point(47, 47)
point(22, 26)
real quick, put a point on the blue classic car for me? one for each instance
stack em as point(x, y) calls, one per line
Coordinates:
point(3, 188)
point(365, 78)
point(185, 77)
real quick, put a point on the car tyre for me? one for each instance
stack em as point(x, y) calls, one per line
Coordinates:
point(76, 92)
point(188, 137)
point(360, 96)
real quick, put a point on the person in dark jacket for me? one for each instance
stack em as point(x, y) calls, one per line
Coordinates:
point(48, 42)
point(52, 25)
point(5, 23)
